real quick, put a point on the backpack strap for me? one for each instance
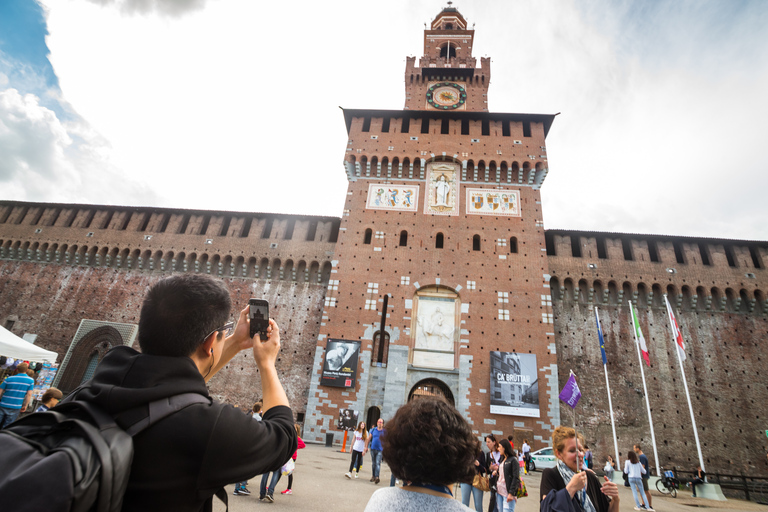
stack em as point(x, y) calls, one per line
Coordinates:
point(164, 407)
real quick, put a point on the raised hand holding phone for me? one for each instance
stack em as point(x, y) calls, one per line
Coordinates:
point(258, 315)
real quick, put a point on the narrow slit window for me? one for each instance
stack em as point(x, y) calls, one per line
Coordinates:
point(526, 128)
point(653, 251)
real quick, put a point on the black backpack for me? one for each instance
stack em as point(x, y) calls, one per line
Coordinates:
point(73, 457)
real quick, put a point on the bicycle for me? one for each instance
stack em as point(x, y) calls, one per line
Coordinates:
point(668, 484)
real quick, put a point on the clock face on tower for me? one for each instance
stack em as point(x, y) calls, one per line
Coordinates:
point(446, 96)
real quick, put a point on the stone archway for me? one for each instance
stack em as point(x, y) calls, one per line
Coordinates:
point(431, 388)
point(97, 342)
point(373, 415)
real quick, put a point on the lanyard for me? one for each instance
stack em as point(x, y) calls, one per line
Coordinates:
point(439, 488)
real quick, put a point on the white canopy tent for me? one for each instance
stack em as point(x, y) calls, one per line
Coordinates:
point(17, 348)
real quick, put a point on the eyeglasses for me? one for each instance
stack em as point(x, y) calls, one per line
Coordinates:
point(226, 328)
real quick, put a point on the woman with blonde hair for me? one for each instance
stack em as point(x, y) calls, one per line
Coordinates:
point(564, 487)
point(358, 445)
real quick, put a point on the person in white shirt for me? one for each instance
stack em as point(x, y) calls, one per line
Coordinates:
point(635, 472)
point(358, 446)
point(526, 453)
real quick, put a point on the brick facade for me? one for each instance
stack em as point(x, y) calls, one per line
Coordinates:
point(511, 285)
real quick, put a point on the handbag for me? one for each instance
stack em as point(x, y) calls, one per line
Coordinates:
point(522, 492)
point(481, 482)
point(288, 467)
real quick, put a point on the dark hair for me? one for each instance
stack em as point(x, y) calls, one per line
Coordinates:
point(493, 439)
point(632, 456)
point(51, 393)
point(179, 311)
point(508, 450)
point(429, 442)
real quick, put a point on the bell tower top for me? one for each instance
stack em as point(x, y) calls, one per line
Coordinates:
point(446, 77)
point(444, 39)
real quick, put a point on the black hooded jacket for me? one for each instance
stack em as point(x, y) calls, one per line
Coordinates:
point(181, 461)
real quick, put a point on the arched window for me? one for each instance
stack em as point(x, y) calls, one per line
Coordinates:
point(91, 368)
point(403, 238)
point(513, 245)
point(449, 50)
point(439, 241)
point(368, 235)
point(476, 243)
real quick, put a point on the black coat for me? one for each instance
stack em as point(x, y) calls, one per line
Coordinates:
point(180, 462)
point(557, 497)
point(511, 469)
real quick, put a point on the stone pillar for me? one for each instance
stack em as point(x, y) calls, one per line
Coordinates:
point(395, 392)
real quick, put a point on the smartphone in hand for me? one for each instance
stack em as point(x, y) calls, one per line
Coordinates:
point(258, 314)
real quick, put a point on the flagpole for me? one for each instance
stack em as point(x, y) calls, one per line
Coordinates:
point(608, 388)
point(685, 382)
point(636, 325)
point(575, 432)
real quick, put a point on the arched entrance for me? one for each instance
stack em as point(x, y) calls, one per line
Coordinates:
point(373, 415)
point(431, 388)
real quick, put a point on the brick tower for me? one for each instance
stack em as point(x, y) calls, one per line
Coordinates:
point(439, 284)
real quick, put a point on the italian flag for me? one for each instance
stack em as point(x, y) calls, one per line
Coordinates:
point(639, 334)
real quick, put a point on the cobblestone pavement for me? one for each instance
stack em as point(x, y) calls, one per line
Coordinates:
point(319, 484)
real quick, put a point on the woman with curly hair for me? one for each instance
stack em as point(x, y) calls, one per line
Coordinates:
point(429, 446)
point(564, 487)
point(358, 445)
point(509, 478)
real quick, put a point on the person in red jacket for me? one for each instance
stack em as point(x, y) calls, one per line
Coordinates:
point(295, 454)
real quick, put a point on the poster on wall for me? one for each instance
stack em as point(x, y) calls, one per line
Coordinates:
point(340, 366)
point(348, 419)
point(514, 384)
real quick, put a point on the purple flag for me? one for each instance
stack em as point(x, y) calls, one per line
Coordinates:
point(571, 394)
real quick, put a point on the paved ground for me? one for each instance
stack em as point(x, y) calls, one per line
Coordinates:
point(319, 484)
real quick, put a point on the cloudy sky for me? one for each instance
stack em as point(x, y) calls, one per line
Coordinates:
point(234, 104)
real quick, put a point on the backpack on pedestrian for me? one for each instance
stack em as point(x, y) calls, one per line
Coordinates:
point(74, 457)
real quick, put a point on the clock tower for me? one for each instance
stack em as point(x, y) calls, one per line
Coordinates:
point(439, 285)
point(446, 77)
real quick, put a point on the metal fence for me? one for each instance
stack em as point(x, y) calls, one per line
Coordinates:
point(745, 487)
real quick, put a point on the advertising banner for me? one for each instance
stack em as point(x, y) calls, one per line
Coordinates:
point(348, 419)
point(514, 384)
point(340, 366)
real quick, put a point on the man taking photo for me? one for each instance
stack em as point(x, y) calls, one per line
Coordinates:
point(183, 460)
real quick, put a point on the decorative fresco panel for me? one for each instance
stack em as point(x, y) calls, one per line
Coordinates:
point(442, 189)
point(483, 201)
point(382, 196)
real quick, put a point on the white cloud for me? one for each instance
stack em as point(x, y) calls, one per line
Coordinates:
point(234, 105)
point(47, 160)
point(171, 8)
